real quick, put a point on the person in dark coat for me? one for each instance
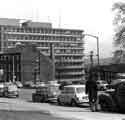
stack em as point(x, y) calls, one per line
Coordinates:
point(91, 90)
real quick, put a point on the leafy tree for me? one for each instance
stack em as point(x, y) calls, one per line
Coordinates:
point(119, 23)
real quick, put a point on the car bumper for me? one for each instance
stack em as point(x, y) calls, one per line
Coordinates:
point(52, 99)
point(13, 94)
point(1, 92)
point(81, 101)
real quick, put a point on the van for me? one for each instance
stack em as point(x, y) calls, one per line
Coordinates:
point(73, 95)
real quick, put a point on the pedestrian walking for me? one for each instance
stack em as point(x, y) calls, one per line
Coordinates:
point(91, 90)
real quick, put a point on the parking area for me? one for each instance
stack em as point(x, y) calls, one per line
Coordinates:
point(23, 103)
point(26, 94)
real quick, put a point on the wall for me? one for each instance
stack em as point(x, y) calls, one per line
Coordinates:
point(29, 63)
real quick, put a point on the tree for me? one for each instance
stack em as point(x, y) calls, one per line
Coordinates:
point(119, 23)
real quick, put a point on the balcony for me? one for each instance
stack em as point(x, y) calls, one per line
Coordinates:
point(70, 79)
point(71, 73)
point(43, 34)
point(70, 61)
point(70, 67)
point(44, 41)
point(70, 54)
point(63, 48)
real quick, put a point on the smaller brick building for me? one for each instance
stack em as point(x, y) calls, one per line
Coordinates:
point(34, 66)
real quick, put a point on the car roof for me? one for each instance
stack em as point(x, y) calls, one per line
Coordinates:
point(75, 86)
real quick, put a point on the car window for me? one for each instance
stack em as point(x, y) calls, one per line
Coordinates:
point(63, 91)
point(101, 82)
point(104, 82)
point(12, 87)
point(68, 90)
point(42, 89)
point(80, 90)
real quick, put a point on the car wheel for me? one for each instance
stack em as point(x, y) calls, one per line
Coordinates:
point(6, 94)
point(17, 95)
point(33, 97)
point(73, 103)
point(106, 104)
point(42, 99)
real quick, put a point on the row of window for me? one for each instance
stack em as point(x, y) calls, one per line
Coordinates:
point(61, 51)
point(9, 58)
point(69, 64)
point(69, 51)
point(68, 71)
point(72, 77)
point(43, 30)
point(47, 44)
point(51, 38)
point(68, 57)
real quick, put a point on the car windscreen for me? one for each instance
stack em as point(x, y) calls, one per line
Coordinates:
point(12, 88)
point(80, 90)
point(101, 82)
point(54, 88)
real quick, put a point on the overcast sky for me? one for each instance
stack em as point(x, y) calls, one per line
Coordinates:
point(93, 16)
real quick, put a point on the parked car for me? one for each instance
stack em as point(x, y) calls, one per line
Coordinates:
point(11, 90)
point(113, 99)
point(102, 85)
point(29, 84)
point(46, 93)
point(18, 84)
point(73, 95)
point(2, 89)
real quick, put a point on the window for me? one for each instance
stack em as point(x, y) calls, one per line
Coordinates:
point(68, 90)
point(63, 91)
point(67, 32)
point(80, 90)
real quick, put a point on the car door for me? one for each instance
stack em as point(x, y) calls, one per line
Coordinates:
point(62, 96)
point(69, 95)
point(65, 96)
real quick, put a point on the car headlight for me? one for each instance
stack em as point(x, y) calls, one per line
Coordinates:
point(85, 97)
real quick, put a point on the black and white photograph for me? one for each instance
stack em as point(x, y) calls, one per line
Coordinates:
point(62, 60)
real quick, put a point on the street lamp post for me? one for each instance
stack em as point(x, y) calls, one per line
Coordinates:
point(97, 38)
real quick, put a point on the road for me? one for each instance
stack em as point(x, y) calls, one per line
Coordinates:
point(26, 115)
point(24, 104)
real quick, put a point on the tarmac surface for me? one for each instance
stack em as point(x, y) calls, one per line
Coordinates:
point(23, 106)
point(67, 112)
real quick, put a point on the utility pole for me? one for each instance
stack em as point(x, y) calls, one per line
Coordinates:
point(52, 57)
point(97, 45)
point(91, 58)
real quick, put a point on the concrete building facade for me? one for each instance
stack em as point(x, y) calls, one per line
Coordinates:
point(27, 64)
point(68, 45)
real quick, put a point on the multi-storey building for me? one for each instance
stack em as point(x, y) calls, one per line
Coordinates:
point(68, 45)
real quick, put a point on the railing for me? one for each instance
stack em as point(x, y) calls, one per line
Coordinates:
point(45, 34)
point(44, 41)
point(70, 67)
point(70, 60)
point(72, 73)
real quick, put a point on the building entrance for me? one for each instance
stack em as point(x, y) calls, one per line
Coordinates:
point(10, 63)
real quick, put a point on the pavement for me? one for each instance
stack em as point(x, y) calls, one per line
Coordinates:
point(57, 111)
